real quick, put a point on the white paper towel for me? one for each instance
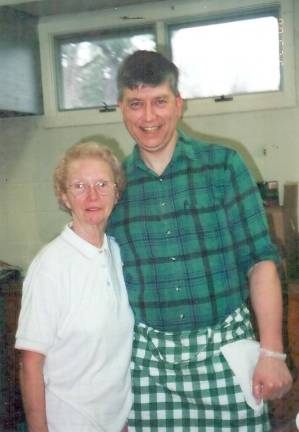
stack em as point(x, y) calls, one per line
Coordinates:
point(242, 357)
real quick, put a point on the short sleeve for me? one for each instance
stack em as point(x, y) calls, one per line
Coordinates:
point(37, 326)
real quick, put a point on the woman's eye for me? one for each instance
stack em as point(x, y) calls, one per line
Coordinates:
point(101, 185)
point(79, 186)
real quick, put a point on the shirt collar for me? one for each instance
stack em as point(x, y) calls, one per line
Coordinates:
point(183, 148)
point(81, 245)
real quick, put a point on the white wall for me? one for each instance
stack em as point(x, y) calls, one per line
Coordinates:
point(29, 215)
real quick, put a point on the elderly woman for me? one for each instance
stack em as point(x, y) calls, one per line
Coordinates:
point(75, 327)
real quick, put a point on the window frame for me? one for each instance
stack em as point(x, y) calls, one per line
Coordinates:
point(77, 38)
point(161, 16)
point(263, 12)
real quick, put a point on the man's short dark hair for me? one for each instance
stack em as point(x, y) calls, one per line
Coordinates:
point(146, 68)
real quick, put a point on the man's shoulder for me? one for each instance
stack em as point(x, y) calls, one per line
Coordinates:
point(199, 148)
point(130, 160)
point(127, 162)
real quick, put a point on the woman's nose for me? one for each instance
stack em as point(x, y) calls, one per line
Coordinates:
point(92, 192)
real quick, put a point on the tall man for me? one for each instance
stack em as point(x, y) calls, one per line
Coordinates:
point(195, 246)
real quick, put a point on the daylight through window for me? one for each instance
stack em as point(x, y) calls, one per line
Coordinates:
point(227, 58)
point(87, 66)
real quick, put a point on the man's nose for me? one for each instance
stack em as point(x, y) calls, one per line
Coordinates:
point(149, 112)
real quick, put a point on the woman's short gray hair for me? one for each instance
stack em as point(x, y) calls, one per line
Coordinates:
point(86, 150)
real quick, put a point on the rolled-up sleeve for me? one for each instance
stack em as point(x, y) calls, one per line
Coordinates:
point(246, 215)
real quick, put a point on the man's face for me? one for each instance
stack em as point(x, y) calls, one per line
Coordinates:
point(150, 115)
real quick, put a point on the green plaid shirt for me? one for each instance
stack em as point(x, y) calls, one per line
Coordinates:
point(189, 236)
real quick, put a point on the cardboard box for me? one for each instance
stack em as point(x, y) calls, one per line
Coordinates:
point(276, 221)
point(290, 204)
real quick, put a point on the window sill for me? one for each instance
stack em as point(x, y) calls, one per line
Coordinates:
point(193, 108)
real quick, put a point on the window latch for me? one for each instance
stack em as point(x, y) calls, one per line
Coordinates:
point(223, 98)
point(107, 108)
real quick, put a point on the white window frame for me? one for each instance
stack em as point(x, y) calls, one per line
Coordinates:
point(162, 14)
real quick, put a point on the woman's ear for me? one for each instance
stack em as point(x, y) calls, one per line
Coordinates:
point(116, 198)
point(65, 200)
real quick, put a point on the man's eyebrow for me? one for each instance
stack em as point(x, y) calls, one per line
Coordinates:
point(133, 99)
point(136, 98)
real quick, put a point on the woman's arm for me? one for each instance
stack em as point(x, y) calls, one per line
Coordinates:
point(33, 390)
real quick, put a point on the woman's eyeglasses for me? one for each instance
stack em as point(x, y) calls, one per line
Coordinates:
point(102, 187)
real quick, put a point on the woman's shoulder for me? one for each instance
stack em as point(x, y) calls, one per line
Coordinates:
point(114, 247)
point(52, 255)
point(112, 243)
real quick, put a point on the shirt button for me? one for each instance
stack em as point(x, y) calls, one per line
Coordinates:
point(173, 259)
point(108, 283)
point(163, 204)
point(182, 316)
point(168, 232)
point(177, 289)
point(160, 179)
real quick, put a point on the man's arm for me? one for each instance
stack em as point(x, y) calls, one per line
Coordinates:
point(271, 378)
point(33, 390)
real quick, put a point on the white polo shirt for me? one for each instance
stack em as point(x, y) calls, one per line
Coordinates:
point(75, 311)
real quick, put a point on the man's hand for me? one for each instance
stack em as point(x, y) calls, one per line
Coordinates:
point(271, 379)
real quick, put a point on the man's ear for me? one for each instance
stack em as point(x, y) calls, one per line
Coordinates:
point(180, 106)
point(120, 104)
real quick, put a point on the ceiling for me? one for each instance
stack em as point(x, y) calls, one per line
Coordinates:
point(40, 8)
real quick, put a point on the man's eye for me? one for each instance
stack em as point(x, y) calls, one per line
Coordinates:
point(161, 102)
point(135, 104)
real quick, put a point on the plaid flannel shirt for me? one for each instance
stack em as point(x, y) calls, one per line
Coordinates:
point(189, 236)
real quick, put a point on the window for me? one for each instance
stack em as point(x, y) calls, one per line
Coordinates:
point(228, 57)
point(87, 65)
point(241, 55)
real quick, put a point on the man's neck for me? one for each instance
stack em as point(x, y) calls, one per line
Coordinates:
point(158, 161)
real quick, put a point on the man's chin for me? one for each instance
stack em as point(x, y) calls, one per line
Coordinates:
point(151, 147)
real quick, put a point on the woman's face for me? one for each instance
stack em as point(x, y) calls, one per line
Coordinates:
point(90, 193)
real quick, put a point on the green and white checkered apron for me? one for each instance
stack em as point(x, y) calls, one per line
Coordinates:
point(182, 383)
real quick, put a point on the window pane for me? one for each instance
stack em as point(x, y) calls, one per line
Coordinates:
point(241, 56)
point(87, 66)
